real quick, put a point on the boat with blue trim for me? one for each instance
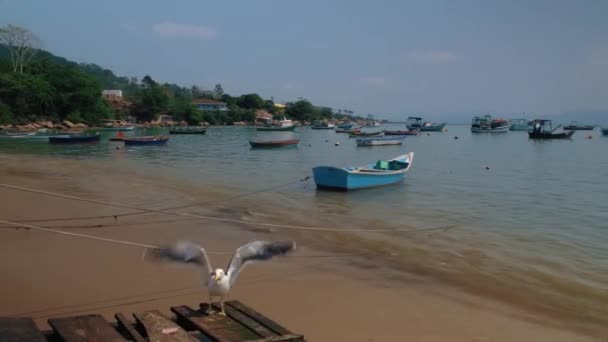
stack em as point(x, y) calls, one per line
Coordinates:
point(381, 173)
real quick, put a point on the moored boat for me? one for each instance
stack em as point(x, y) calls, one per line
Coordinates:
point(283, 125)
point(146, 140)
point(17, 135)
point(188, 130)
point(381, 173)
point(541, 129)
point(273, 143)
point(412, 132)
point(74, 139)
point(575, 126)
point(605, 131)
point(349, 131)
point(416, 123)
point(116, 125)
point(487, 124)
point(519, 125)
point(380, 141)
point(361, 134)
point(323, 125)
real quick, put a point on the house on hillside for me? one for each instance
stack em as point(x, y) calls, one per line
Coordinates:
point(111, 93)
point(209, 104)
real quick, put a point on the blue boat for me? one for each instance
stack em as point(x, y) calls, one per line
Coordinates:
point(147, 140)
point(381, 173)
point(74, 139)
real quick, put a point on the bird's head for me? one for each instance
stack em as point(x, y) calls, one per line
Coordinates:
point(218, 274)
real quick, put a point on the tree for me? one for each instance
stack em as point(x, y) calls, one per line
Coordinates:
point(219, 91)
point(300, 110)
point(250, 101)
point(21, 43)
point(196, 92)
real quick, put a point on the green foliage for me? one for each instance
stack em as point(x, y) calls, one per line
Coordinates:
point(150, 101)
point(218, 90)
point(6, 116)
point(250, 101)
point(183, 109)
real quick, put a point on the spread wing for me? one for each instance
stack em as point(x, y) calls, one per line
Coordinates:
point(256, 251)
point(184, 252)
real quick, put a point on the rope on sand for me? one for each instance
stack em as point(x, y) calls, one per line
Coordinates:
point(222, 219)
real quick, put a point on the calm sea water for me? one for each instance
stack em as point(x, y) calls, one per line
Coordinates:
point(546, 199)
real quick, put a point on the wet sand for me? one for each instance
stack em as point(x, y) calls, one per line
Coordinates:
point(317, 291)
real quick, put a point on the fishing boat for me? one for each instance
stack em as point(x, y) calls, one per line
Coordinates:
point(283, 125)
point(75, 139)
point(366, 134)
point(349, 131)
point(542, 129)
point(487, 124)
point(273, 143)
point(575, 126)
point(323, 125)
point(605, 131)
point(17, 135)
point(381, 173)
point(416, 123)
point(394, 140)
point(344, 126)
point(412, 132)
point(519, 125)
point(188, 130)
point(146, 140)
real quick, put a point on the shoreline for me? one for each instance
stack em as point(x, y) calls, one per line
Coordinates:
point(395, 289)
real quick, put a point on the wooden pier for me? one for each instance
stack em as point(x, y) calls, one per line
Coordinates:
point(242, 323)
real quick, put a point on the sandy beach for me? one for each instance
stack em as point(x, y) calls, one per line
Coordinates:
point(324, 291)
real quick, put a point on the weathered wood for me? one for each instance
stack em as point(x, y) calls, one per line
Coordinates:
point(282, 338)
point(14, 329)
point(161, 329)
point(268, 323)
point(90, 328)
point(216, 326)
point(245, 320)
point(126, 325)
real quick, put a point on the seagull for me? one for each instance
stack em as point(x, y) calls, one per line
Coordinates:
point(218, 281)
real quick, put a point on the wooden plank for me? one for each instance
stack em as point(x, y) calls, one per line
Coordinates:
point(216, 326)
point(267, 322)
point(160, 329)
point(13, 329)
point(90, 328)
point(126, 325)
point(282, 338)
point(245, 320)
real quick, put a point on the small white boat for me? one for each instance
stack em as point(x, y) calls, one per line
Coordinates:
point(379, 141)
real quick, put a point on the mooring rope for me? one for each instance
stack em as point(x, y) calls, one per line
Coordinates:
point(223, 219)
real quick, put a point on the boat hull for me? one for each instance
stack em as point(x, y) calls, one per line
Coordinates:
point(327, 177)
point(272, 144)
point(429, 128)
point(366, 135)
point(500, 129)
point(605, 131)
point(145, 141)
point(187, 131)
point(380, 141)
point(323, 127)
point(288, 128)
point(71, 139)
point(414, 132)
point(550, 135)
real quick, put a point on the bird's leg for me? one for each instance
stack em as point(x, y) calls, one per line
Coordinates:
point(209, 307)
point(223, 313)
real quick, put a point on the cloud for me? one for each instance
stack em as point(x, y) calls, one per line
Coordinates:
point(168, 29)
point(376, 81)
point(430, 57)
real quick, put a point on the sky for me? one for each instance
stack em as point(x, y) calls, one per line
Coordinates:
point(450, 58)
